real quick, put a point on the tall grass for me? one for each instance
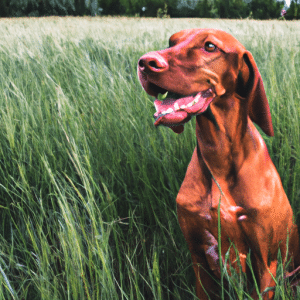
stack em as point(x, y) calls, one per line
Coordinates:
point(87, 184)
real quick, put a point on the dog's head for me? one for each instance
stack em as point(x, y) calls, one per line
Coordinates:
point(202, 67)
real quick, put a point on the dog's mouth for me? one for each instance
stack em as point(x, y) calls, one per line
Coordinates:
point(173, 110)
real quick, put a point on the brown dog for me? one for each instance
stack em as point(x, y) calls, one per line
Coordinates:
point(209, 74)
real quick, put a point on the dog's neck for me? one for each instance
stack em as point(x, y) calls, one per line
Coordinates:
point(224, 136)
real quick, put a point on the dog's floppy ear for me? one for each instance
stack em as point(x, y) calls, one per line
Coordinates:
point(258, 106)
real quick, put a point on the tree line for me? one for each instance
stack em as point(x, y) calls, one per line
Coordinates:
point(256, 9)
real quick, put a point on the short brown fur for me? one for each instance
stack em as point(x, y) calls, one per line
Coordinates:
point(230, 164)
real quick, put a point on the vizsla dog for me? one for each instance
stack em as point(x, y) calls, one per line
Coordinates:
point(207, 73)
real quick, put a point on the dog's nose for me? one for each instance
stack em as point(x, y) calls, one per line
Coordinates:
point(152, 62)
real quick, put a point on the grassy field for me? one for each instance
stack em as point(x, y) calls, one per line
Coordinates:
point(87, 184)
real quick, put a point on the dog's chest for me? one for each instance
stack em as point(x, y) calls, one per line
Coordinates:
point(206, 219)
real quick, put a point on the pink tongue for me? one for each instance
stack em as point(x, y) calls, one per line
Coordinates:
point(167, 114)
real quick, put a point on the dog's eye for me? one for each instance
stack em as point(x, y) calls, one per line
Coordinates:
point(209, 47)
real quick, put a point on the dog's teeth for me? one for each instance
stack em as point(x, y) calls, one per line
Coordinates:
point(196, 100)
point(168, 111)
point(176, 106)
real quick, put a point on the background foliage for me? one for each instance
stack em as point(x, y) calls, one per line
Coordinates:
point(257, 9)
